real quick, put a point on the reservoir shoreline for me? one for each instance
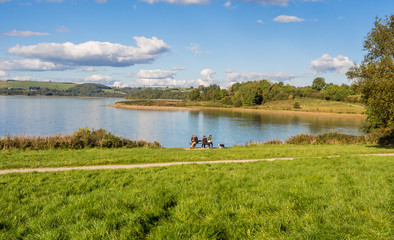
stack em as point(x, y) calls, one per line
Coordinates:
point(287, 112)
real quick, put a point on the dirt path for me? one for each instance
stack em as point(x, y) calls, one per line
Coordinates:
point(24, 170)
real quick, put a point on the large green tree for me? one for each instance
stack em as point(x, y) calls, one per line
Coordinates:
point(375, 74)
point(319, 83)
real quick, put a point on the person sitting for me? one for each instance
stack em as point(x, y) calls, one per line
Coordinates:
point(210, 143)
point(194, 141)
point(204, 141)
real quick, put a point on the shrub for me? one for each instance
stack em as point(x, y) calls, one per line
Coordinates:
point(381, 137)
point(326, 138)
point(82, 138)
point(296, 105)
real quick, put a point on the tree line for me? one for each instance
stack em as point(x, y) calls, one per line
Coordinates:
point(258, 92)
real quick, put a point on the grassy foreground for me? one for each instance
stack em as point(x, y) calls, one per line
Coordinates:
point(100, 156)
point(308, 198)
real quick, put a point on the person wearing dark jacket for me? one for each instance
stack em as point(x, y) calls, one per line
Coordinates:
point(204, 141)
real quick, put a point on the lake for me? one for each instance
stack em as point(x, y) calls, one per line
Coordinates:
point(44, 116)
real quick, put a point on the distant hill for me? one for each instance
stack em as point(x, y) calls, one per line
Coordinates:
point(36, 88)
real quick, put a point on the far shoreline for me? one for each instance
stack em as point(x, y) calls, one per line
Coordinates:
point(287, 112)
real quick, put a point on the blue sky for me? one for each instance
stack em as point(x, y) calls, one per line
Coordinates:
point(180, 43)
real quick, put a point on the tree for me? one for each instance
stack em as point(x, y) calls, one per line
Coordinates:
point(194, 95)
point(318, 83)
point(375, 74)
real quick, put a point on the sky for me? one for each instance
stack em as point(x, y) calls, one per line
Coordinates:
point(183, 43)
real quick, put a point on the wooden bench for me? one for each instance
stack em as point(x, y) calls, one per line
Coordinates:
point(199, 142)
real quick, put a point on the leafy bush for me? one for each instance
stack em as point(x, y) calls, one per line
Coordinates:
point(82, 138)
point(296, 105)
point(326, 138)
point(381, 137)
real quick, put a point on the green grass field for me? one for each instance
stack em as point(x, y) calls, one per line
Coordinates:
point(307, 198)
point(306, 104)
point(102, 156)
point(28, 84)
point(316, 105)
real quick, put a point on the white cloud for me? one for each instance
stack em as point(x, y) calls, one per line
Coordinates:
point(16, 33)
point(29, 65)
point(22, 78)
point(3, 73)
point(260, 21)
point(229, 5)
point(97, 77)
point(253, 76)
point(195, 48)
point(101, 1)
point(338, 64)
point(62, 29)
point(100, 79)
point(117, 84)
point(287, 19)
point(95, 53)
point(179, 2)
point(340, 18)
point(89, 69)
point(158, 77)
point(177, 68)
point(206, 77)
point(3, 1)
point(270, 2)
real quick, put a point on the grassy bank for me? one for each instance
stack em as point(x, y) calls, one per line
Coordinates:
point(102, 156)
point(309, 198)
point(309, 105)
point(316, 105)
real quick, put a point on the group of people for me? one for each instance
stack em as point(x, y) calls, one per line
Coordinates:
point(204, 142)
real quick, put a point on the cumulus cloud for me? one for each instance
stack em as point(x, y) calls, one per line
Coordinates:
point(97, 77)
point(179, 2)
point(206, 77)
point(100, 79)
point(253, 76)
point(338, 64)
point(16, 33)
point(3, 73)
point(101, 1)
point(260, 21)
point(158, 77)
point(287, 19)
point(117, 84)
point(29, 65)
point(95, 53)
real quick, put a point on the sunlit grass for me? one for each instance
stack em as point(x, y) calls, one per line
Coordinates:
point(100, 156)
point(315, 105)
point(309, 198)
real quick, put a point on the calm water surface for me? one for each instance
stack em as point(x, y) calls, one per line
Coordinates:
point(44, 116)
